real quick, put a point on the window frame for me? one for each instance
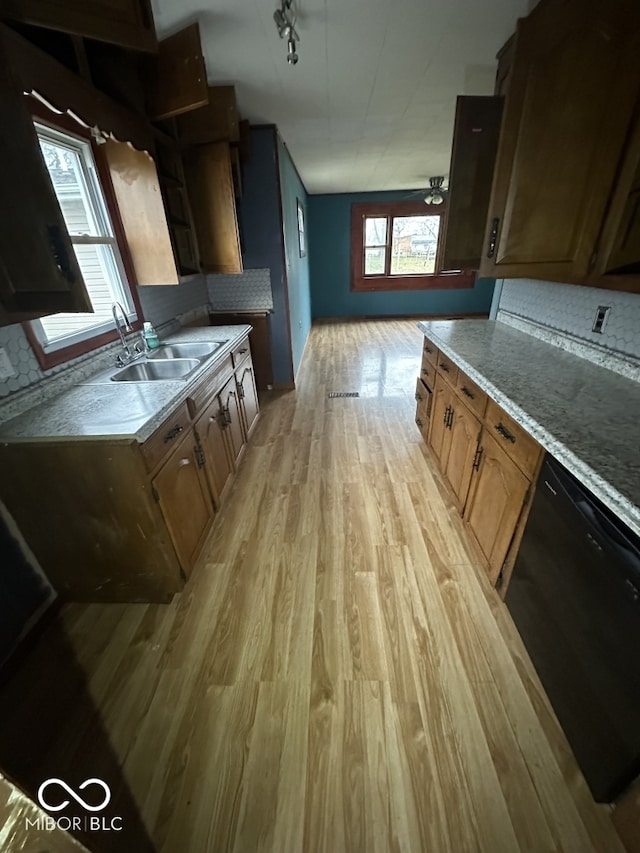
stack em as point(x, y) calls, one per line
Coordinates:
point(52, 358)
point(440, 280)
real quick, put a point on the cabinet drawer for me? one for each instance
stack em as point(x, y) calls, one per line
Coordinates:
point(428, 371)
point(210, 385)
point(515, 441)
point(472, 396)
point(240, 352)
point(164, 438)
point(430, 352)
point(447, 368)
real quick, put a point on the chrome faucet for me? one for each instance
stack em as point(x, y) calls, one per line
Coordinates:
point(126, 355)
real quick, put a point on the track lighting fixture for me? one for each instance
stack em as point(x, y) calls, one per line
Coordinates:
point(285, 19)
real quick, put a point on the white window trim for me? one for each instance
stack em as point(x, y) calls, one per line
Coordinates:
point(105, 237)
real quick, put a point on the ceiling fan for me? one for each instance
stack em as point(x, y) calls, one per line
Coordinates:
point(436, 193)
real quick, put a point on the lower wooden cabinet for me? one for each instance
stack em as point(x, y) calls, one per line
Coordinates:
point(180, 488)
point(247, 396)
point(495, 503)
point(210, 429)
point(128, 520)
point(488, 461)
point(424, 398)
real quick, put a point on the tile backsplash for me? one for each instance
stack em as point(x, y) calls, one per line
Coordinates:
point(570, 310)
point(247, 291)
point(159, 305)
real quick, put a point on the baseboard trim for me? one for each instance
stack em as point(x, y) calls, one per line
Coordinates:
point(482, 315)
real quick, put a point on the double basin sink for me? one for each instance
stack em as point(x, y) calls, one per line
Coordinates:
point(169, 361)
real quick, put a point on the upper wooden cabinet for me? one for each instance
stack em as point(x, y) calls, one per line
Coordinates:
point(128, 23)
point(572, 94)
point(475, 143)
point(211, 192)
point(39, 273)
point(176, 79)
point(218, 121)
point(137, 190)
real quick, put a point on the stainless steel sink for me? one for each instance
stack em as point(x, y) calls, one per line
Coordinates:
point(150, 371)
point(193, 349)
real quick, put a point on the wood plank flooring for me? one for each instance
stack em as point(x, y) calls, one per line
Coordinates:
point(337, 675)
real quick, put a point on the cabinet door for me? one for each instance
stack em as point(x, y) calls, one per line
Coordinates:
point(423, 407)
point(176, 79)
point(230, 405)
point(248, 396)
point(213, 204)
point(137, 190)
point(39, 273)
point(495, 502)
point(210, 429)
point(475, 143)
point(465, 432)
point(573, 88)
point(441, 411)
point(185, 501)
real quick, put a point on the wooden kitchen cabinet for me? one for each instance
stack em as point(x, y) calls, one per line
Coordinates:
point(128, 23)
point(573, 92)
point(423, 396)
point(247, 396)
point(210, 428)
point(178, 209)
point(495, 503)
point(218, 121)
point(129, 519)
point(209, 182)
point(475, 144)
point(176, 78)
point(487, 459)
point(180, 487)
point(453, 437)
point(39, 273)
point(137, 189)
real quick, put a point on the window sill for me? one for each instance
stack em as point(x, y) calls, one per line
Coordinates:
point(47, 360)
point(441, 281)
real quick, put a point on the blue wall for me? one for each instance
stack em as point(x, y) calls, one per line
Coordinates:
point(329, 226)
point(261, 235)
point(292, 190)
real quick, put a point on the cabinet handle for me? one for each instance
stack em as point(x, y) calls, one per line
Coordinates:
point(240, 388)
point(493, 237)
point(419, 422)
point(199, 454)
point(419, 396)
point(450, 421)
point(425, 371)
point(226, 415)
point(504, 432)
point(444, 367)
point(242, 351)
point(477, 458)
point(446, 415)
point(173, 433)
point(467, 393)
point(59, 251)
point(427, 349)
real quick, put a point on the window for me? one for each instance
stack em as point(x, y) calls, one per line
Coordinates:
point(69, 160)
point(396, 246)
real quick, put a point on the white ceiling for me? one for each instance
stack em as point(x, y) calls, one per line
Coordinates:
point(370, 105)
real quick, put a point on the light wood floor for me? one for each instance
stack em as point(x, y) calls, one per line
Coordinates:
point(338, 675)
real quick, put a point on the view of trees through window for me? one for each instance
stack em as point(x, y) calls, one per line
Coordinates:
point(406, 245)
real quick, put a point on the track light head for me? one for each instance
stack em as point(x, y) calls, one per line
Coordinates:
point(292, 56)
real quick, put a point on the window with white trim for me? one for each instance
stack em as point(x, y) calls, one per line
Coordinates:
point(69, 161)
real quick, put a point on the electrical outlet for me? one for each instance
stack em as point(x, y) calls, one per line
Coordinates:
point(602, 313)
point(7, 370)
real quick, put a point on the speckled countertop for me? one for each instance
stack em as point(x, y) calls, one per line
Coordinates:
point(586, 416)
point(117, 410)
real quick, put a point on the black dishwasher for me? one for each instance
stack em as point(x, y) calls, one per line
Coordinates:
point(575, 598)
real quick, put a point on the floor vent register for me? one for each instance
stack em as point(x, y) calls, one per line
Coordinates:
point(343, 394)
